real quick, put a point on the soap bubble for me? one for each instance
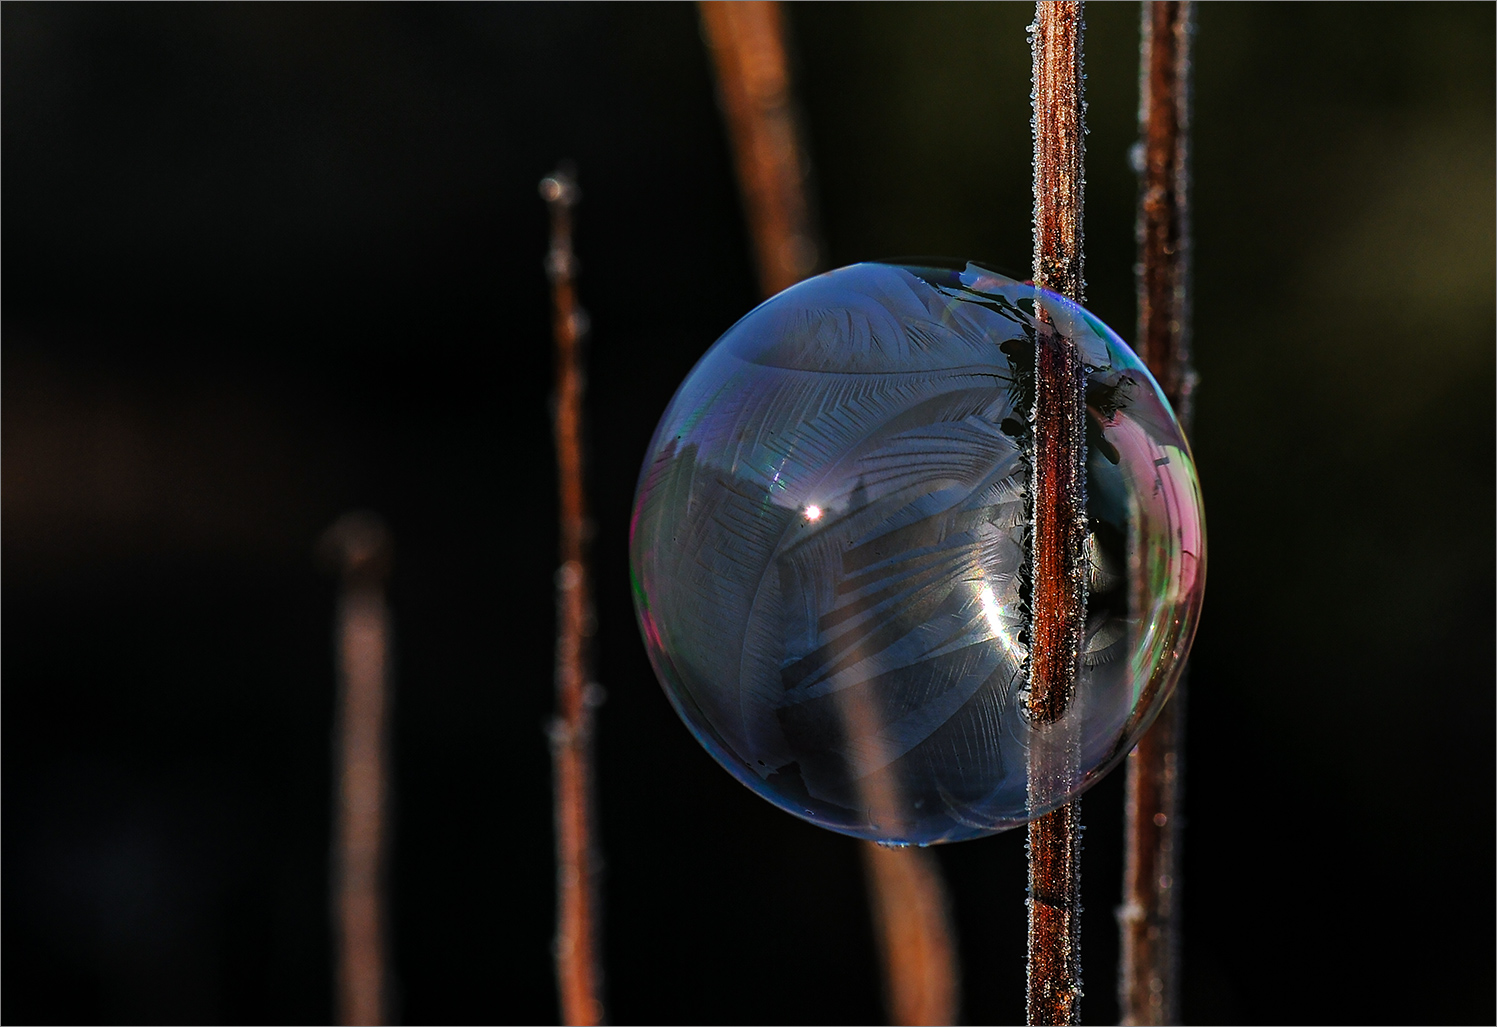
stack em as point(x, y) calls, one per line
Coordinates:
point(828, 552)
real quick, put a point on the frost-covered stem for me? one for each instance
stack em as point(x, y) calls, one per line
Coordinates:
point(1059, 146)
point(1058, 490)
point(1148, 979)
point(578, 971)
point(359, 545)
point(753, 77)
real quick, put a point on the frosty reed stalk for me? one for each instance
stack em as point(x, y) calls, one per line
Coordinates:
point(1058, 525)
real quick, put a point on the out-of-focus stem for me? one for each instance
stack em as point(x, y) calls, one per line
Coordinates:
point(1163, 207)
point(578, 969)
point(359, 544)
point(1058, 489)
point(906, 892)
point(1148, 979)
point(912, 926)
point(747, 39)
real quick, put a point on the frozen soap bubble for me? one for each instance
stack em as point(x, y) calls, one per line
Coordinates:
point(829, 559)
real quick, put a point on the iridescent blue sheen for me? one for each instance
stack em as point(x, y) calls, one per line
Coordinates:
point(829, 553)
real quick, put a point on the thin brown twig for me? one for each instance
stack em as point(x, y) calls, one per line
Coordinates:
point(1148, 979)
point(359, 546)
point(912, 926)
point(907, 895)
point(1058, 488)
point(753, 76)
point(578, 969)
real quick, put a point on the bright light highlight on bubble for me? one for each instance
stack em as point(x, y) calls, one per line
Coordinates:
point(861, 660)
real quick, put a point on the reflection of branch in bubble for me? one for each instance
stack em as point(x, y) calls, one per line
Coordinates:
point(1058, 490)
point(1148, 978)
point(578, 972)
point(906, 891)
point(359, 546)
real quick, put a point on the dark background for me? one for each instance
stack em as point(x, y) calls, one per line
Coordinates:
point(263, 264)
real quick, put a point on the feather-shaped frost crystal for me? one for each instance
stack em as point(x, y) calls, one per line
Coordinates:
point(829, 552)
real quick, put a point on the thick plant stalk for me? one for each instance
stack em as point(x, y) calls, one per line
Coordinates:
point(907, 895)
point(578, 969)
point(1058, 489)
point(1148, 979)
point(747, 40)
point(359, 545)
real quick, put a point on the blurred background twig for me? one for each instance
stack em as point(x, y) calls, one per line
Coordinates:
point(747, 40)
point(578, 966)
point(358, 545)
point(1149, 918)
point(907, 895)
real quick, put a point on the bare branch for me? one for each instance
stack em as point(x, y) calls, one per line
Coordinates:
point(748, 47)
point(359, 546)
point(1163, 208)
point(1059, 147)
point(912, 925)
point(1058, 490)
point(1148, 978)
point(905, 888)
point(578, 970)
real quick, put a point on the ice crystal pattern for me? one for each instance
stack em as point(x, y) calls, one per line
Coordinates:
point(828, 551)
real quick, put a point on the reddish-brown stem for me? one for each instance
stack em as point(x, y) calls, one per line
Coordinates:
point(1148, 983)
point(578, 972)
point(359, 545)
point(1058, 490)
point(1148, 978)
point(753, 78)
point(912, 926)
point(906, 892)
point(1059, 146)
point(1163, 210)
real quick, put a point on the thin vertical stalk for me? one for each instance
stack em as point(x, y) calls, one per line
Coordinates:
point(1058, 490)
point(747, 40)
point(359, 545)
point(907, 895)
point(578, 971)
point(1148, 979)
point(912, 927)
